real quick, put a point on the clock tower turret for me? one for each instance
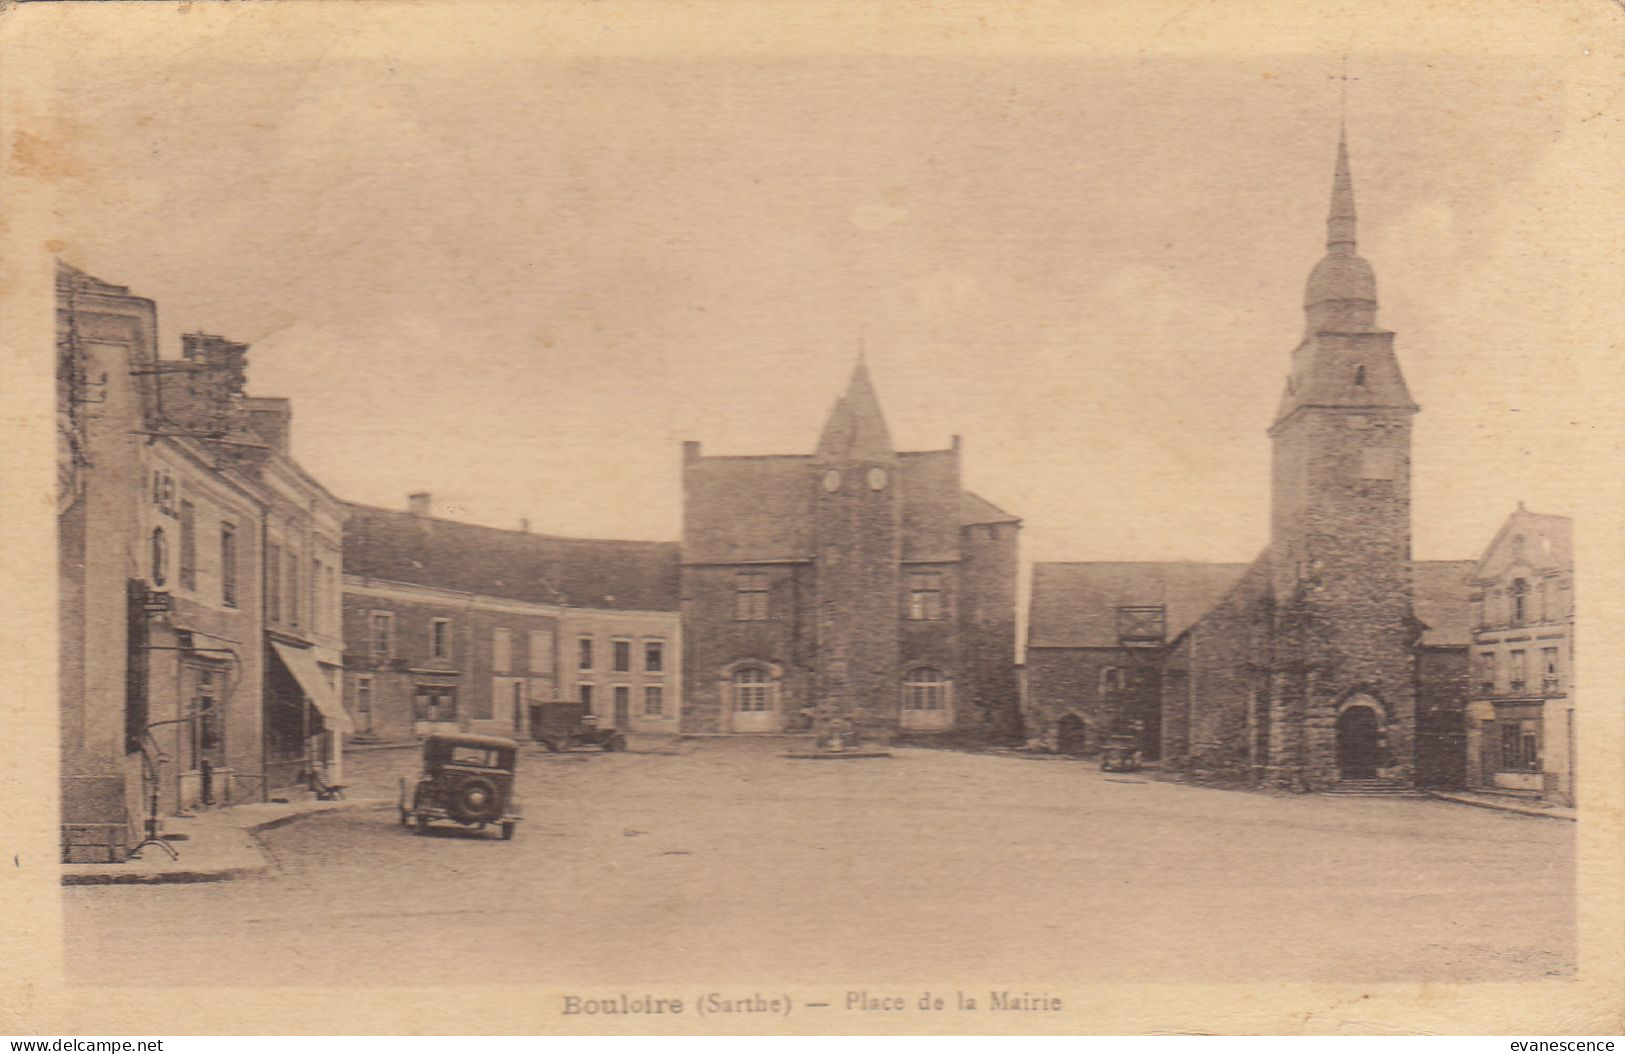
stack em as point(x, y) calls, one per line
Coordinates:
point(859, 549)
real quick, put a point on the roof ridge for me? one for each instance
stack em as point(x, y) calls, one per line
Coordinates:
point(508, 531)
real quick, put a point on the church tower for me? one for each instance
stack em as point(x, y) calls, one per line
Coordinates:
point(1341, 701)
point(858, 536)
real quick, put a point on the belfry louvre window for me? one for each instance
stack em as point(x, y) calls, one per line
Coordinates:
point(751, 690)
point(925, 596)
point(750, 596)
point(1142, 625)
point(925, 689)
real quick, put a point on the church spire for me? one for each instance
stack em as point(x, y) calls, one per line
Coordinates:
point(1340, 220)
point(856, 429)
point(1342, 292)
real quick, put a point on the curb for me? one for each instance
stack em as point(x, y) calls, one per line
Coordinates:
point(244, 869)
point(1521, 810)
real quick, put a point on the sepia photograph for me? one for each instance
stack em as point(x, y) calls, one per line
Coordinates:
point(774, 519)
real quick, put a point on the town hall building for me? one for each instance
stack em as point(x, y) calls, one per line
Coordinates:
point(1333, 657)
point(858, 587)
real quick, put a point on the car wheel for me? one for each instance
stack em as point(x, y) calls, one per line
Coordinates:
point(475, 800)
point(507, 832)
point(406, 818)
point(423, 824)
point(614, 743)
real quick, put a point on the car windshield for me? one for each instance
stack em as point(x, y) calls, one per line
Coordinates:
point(482, 756)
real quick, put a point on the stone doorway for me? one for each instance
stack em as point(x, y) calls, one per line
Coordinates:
point(1071, 735)
point(1358, 744)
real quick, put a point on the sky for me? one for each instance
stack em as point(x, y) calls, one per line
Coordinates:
point(519, 280)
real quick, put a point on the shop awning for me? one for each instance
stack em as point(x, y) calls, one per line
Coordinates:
point(302, 664)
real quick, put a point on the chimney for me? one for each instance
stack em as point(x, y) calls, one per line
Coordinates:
point(524, 526)
point(213, 393)
point(691, 450)
point(418, 504)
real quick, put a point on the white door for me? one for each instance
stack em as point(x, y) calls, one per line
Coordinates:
point(753, 699)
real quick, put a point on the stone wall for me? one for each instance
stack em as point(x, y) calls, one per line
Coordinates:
point(1441, 730)
point(1226, 655)
point(714, 641)
point(987, 632)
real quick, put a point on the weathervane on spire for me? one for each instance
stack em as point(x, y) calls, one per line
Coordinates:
point(1343, 100)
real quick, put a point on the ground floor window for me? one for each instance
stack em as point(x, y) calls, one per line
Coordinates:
point(1520, 746)
point(751, 690)
point(363, 704)
point(925, 689)
point(654, 700)
point(435, 703)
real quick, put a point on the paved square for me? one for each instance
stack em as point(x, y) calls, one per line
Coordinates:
point(724, 861)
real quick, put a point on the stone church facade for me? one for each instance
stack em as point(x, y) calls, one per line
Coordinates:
point(1319, 662)
point(858, 584)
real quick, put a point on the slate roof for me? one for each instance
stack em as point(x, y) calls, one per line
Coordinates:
point(1074, 605)
point(976, 510)
point(517, 565)
point(739, 509)
point(748, 508)
point(1549, 545)
point(1440, 599)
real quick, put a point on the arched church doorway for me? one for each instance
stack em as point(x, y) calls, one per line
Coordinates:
point(1071, 735)
point(1358, 746)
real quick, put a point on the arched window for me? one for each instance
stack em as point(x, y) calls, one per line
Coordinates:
point(925, 689)
point(1359, 376)
point(752, 690)
point(1520, 601)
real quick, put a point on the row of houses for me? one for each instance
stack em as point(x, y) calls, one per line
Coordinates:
point(226, 623)
point(200, 617)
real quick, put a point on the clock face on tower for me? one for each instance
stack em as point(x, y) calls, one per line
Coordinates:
point(877, 478)
point(832, 481)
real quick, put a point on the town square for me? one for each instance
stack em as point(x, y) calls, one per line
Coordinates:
point(793, 541)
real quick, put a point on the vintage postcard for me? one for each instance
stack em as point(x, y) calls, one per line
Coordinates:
point(785, 518)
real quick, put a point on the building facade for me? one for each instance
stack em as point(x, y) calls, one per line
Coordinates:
point(454, 627)
point(168, 496)
point(1309, 667)
point(1097, 642)
point(1520, 722)
point(857, 584)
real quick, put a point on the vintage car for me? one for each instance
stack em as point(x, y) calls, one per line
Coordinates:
point(1121, 753)
point(563, 726)
point(466, 779)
